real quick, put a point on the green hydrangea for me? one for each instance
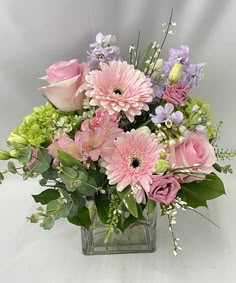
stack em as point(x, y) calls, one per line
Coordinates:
point(200, 117)
point(44, 124)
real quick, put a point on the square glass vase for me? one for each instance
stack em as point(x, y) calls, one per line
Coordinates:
point(139, 237)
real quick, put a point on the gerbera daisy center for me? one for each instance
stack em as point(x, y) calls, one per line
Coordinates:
point(135, 162)
point(117, 90)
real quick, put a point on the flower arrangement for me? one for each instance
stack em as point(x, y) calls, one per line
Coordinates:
point(119, 138)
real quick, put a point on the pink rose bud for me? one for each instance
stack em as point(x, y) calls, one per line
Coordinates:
point(164, 188)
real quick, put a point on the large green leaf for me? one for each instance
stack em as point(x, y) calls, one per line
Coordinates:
point(211, 187)
point(102, 204)
point(190, 199)
point(46, 196)
point(129, 201)
point(68, 161)
point(82, 218)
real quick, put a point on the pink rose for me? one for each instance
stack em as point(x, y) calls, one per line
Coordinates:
point(67, 84)
point(196, 149)
point(176, 93)
point(164, 188)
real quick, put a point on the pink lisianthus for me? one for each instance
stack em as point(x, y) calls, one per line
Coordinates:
point(176, 93)
point(195, 150)
point(164, 188)
point(66, 89)
point(33, 158)
point(66, 144)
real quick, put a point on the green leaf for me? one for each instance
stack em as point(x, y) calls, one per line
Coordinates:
point(1, 177)
point(129, 201)
point(70, 178)
point(68, 161)
point(87, 184)
point(42, 163)
point(146, 56)
point(50, 174)
point(81, 218)
point(24, 155)
point(191, 200)
point(102, 204)
point(58, 209)
point(48, 222)
point(46, 196)
point(151, 205)
point(211, 187)
point(11, 167)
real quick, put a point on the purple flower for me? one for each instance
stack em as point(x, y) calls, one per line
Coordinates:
point(193, 74)
point(179, 55)
point(166, 113)
point(158, 90)
point(103, 51)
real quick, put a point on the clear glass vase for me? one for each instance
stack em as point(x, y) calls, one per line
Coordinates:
point(139, 237)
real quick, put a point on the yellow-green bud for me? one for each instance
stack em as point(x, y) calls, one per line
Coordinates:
point(34, 218)
point(162, 166)
point(4, 155)
point(175, 73)
point(163, 155)
point(14, 138)
point(13, 153)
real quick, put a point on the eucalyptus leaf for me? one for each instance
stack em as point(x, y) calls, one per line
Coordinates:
point(42, 162)
point(48, 222)
point(11, 167)
point(24, 155)
point(46, 196)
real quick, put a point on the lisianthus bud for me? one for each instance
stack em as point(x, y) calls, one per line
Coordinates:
point(13, 153)
point(4, 155)
point(163, 155)
point(14, 138)
point(162, 166)
point(143, 130)
point(175, 73)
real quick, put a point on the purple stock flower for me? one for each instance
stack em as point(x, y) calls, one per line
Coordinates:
point(166, 113)
point(103, 51)
point(179, 55)
point(193, 74)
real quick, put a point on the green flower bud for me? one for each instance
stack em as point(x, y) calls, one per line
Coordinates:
point(4, 155)
point(13, 153)
point(175, 73)
point(14, 138)
point(163, 155)
point(34, 218)
point(162, 166)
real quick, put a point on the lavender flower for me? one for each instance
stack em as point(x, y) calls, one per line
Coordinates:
point(193, 74)
point(166, 113)
point(179, 55)
point(103, 51)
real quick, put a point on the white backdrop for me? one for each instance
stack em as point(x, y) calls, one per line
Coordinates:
point(35, 34)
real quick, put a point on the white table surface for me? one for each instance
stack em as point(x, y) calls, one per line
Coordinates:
point(31, 255)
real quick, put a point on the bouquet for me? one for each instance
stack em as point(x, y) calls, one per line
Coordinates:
point(119, 138)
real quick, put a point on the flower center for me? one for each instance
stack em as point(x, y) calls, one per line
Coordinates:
point(117, 90)
point(135, 163)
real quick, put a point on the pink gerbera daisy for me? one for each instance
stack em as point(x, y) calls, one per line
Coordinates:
point(119, 87)
point(133, 160)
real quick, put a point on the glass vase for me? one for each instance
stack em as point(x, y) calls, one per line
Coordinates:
point(139, 237)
